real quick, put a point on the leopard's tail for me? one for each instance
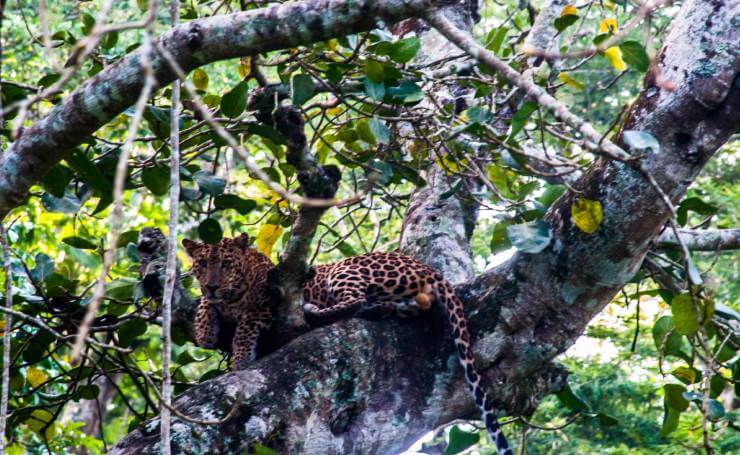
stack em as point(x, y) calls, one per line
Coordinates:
point(478, 384)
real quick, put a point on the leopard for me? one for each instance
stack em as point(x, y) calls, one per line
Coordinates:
point(234, 282)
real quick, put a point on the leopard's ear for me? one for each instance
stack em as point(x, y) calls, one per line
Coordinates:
point(242, 241)
point(190, 246)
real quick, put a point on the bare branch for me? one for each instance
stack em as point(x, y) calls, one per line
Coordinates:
point(702, 239)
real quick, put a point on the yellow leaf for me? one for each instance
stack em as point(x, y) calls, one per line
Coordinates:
point(245, 67)
point(608, 25)
point(569, 10)
point(587, 215)
point(332, 44)
point(266, 238)
point(614, 56)
point(567, 79)
point(200, 79)
point(35, 377)
point(39, 419)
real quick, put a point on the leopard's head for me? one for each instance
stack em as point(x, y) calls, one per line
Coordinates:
point(220, 268)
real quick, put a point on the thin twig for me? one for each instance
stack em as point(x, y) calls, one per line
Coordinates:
point(171, 266)
point(114, 218)
point(6, 337)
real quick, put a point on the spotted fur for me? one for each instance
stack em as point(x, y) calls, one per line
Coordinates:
point(233, 282)
point(385, 283)
point(233, 279)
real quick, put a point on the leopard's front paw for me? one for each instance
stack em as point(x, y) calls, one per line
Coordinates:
point(311, 309)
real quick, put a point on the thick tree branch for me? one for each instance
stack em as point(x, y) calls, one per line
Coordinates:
point(702, 239)
point(192, 44)
point(373, 387)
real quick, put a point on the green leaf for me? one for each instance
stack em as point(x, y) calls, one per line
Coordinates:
point(259, 449)
point(640, 140)
point(520, 117)
point(667, 340)
point(635, 56)
point(210, 231)
point(89, 172)
point(375, 90)
point(586, 214)
point(687, 375)
point(405, 93)
point(303, 88)
point(498, 176)
point(670, 421)
point(550, 194)
point(716, 385)
point(715, 410)
point(495, 38)
point(267, 132)
point(127, 237)
point(156, 179)
point(209, 183)
point(696, 205)
point(158, 120)
point(200, 79)
point(674, 397)
point(120, 289)
point(374, 71)
point(56, 180)
point(566, 21)
point(87, 392)
point(571, 400)
point(499, 238)
point(684, 314)
point(460, 440)
point(67, 204)
point(405, 50)
point(606, 419)
point(234, 102)
point(232, 201)
point(531, 237)
point(380, 130)
point(49, 80)
point(42, 269)
point(128, 332)
point(79, 242)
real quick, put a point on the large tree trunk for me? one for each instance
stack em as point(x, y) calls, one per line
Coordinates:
point(374, 387)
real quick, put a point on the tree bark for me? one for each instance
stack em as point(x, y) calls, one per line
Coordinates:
point(374, 387)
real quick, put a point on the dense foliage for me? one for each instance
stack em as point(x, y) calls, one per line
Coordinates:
point(639, 378)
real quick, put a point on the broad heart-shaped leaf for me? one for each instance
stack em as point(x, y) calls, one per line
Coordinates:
point(209, 183)
point(693, 204)
point(405, 93)
point(640, 140)
point(128, 332)
point(380, 131)
point(685, 317)
point(531, 237)
point(374, 71)
point(234, 101)
point(232, 201)
point(634, 55)
point(406, 49)
point(667, 340)
point(614, 56)
point(586, 214)
point(210, 231)
point(303, 88)
point(120, 289)
point(674, 397)
point(566, 21)
point(375, 90)
point(460, 440)
point(156, 179)
point(571, 400)
point(80, 242)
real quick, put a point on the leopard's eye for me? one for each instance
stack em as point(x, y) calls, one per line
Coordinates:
point(226, 263)
point(202, 262)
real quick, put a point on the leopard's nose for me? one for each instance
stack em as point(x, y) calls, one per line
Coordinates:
point(212, 288)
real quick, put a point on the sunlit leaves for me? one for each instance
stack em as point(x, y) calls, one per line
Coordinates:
point(608, 25)
point(634, 55)
point(234, 101)
point(374, 71)
point(200, 79)
point(613, 55)
point(568, 80)
point(80, 242)
point(531, 237)
point(495, 38)
point(401, 51)
point(674, 397)
point(380, 131)
point(35, 377)
point(266, 238)
point(568, 17)
point(688, 313)
point(667, 339)
point(209, 230)
point(586, 214)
